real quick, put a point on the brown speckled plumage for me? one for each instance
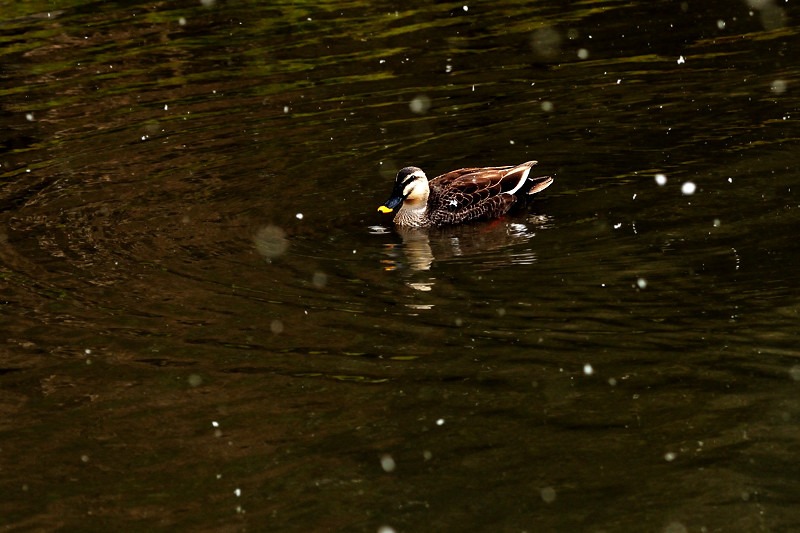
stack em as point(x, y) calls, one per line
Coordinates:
point(460, 195)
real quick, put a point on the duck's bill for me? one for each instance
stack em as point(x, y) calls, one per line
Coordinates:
point(390, 204)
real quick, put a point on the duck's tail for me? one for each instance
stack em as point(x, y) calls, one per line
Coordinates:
point(525, 184)
point(538, 184)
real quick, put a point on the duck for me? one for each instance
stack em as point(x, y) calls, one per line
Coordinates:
point(461, 195)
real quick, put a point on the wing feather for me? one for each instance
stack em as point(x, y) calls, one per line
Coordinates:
point(472, 193)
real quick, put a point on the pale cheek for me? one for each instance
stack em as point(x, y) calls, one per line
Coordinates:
point(414, 197)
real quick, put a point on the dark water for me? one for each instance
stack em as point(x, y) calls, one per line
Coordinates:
point(207, 326)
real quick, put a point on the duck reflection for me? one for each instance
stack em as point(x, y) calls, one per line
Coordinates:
point(420, 247)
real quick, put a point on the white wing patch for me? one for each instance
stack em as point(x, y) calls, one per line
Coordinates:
point(521, 181)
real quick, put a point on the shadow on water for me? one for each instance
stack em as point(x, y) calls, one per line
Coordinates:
point(208, 326)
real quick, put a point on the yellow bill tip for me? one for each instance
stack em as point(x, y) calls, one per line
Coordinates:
point(384, 209)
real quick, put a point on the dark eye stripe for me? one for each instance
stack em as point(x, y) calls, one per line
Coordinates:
point(408, 180)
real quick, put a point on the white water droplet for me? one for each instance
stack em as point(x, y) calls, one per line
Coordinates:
point(420, 104)
point(271, 241)
point(778, 86)
point(319, 279)
point(387, 463)
point(548, 494)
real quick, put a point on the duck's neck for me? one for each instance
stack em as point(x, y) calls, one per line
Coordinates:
point(412, 215)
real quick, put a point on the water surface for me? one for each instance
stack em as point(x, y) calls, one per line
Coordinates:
point(208, 326)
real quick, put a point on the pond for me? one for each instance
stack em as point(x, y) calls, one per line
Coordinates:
point(208, 326)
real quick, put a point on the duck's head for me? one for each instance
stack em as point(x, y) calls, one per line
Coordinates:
point(411, 187)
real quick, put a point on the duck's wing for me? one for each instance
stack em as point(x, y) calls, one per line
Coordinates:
point(456, 208)
point(472, 193)
point(467, 187)
point(485, 181)
point(469, 178)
